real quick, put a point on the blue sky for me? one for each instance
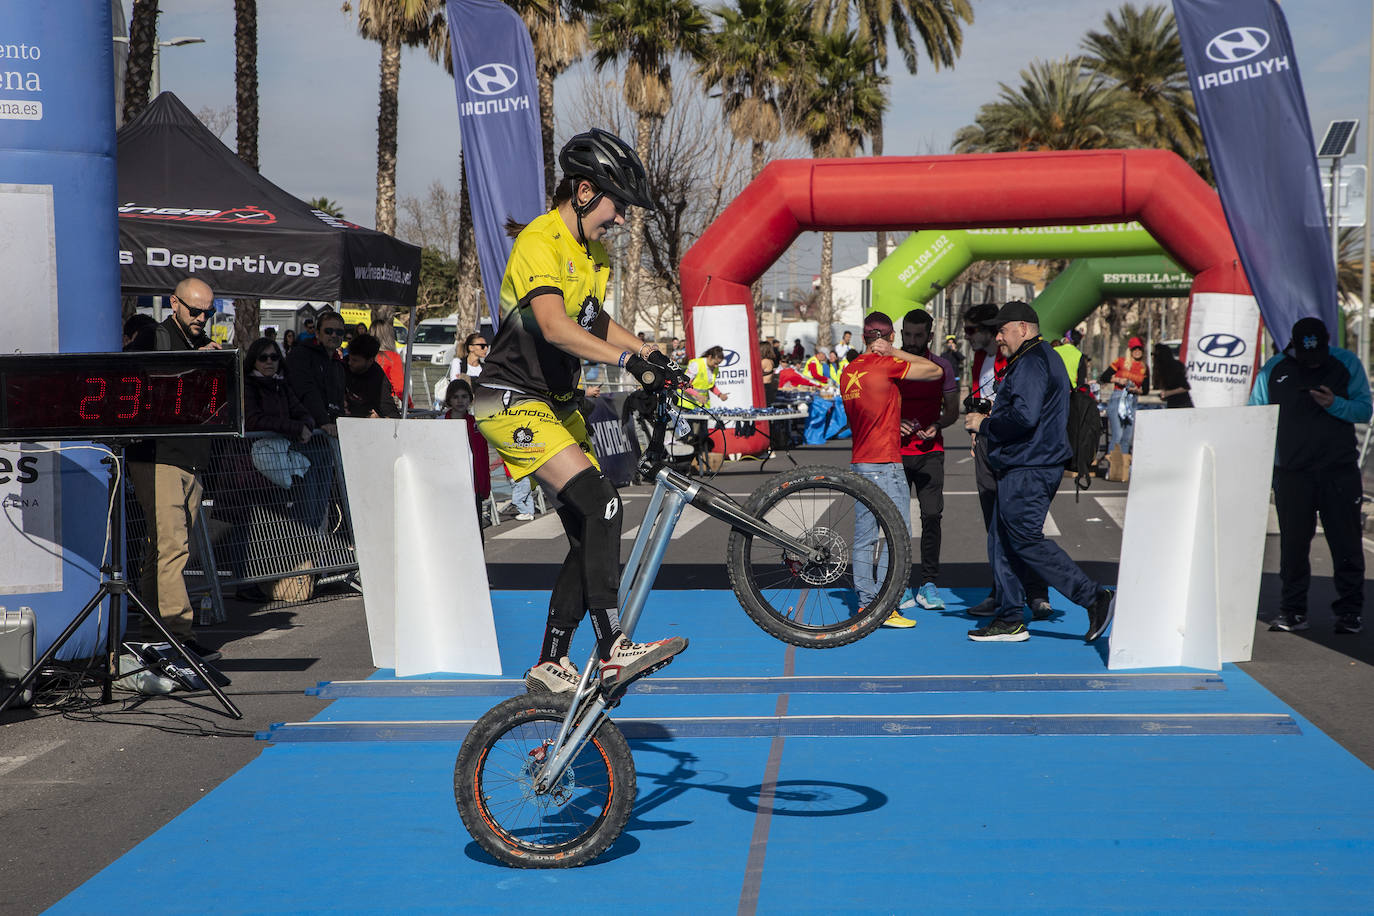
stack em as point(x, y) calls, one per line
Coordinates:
point(318, 83)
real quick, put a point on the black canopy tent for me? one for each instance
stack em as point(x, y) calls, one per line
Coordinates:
point(190, 207)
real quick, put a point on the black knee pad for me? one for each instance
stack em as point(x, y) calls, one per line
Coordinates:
point(596, 500)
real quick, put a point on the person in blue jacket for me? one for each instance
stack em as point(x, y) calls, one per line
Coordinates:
point(1322, 392)
point(1028, 443)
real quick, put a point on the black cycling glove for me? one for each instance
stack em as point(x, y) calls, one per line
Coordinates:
point(650, 376)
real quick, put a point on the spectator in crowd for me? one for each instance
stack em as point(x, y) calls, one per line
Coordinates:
point(1171, 377)
point(798, 351)
point(702, 371)
point(270, 334)
point(271, 405)
point(308, 329)
point(458, 397)
point(677, 351)
point(1027, 441)
point(789, 377)
point(768, 372)
point(953, 355)
point(316, 373)
point(368, 391)
point(928, 406)
point(466, 363)
point(136, 324)
point(288, 340)
point(846, 343)
point(1322, 392)
point(819, 368)
point(1067, 348)
point(393, 365)
point(873, 404)
point(164, 475)
point(989, 363)
point(1130, 379)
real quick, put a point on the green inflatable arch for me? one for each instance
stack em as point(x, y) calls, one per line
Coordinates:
point(1072, 295)
point(931, 259)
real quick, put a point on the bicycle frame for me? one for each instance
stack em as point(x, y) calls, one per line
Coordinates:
point(672, 492)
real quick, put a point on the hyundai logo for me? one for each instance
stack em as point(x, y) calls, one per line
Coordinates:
point(1222, 346)
point(1236, 45)
point(731, 357)
point(492, 79)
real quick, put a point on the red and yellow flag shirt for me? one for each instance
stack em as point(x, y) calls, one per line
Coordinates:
point(873, 404)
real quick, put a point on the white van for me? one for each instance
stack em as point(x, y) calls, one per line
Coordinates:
point(432, 336)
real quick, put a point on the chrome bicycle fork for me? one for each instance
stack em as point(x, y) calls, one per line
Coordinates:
point(672, 492)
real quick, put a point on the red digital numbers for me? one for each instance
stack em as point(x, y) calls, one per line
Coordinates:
point(133, 400)
point(88, 408)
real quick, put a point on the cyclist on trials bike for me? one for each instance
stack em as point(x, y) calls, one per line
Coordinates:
point(552, 317)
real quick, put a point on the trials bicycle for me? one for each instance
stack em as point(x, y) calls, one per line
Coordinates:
point(547, 780)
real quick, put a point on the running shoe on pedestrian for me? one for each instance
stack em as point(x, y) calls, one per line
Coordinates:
point(928, 597)
point(985, 608)
point(908, 600)
point(553, 677)
point(524, 516)
point(1000, 631)
point(1101, 613)
point(896, 621)
point(631, 660)
point(1041, 609)
point(1349, 624)
point(1289, 623)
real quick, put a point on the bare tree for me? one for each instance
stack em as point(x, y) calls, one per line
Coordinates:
point(218, 120)
point(695, 168)
point(441, 222)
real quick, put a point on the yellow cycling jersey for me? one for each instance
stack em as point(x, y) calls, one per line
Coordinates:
point(546, 258)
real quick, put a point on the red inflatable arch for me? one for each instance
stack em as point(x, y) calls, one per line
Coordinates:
point(958, 192)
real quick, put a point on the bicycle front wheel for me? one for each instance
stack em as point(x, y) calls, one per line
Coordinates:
point(862, 543)
point(576, 820)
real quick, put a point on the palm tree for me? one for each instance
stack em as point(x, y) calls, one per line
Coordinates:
point(648, 33)
point(935, 23)
point(1139, 49)
point(138, 73)
point(246, 118)
point(1349, 262)
point(1057, 106)
point(325, 205)
point(836, 101)
point(558, 31)
point(393, 23)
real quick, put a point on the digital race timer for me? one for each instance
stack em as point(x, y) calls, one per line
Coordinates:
point(120, 395)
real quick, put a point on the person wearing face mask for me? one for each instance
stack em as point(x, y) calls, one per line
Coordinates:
point(553, 318)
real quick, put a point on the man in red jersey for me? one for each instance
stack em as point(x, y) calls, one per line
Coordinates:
point(927, 408)
point(873, 405)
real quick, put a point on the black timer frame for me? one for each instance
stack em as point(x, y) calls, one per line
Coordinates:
point(227, 421)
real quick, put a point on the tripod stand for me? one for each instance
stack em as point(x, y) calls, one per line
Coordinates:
point(114, 586)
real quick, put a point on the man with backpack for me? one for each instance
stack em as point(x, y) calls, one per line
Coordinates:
point(1026, 434)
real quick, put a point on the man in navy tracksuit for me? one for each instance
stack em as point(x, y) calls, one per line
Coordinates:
point(1322, 392)
point(1028, 443)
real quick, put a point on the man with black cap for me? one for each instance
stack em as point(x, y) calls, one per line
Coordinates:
point(1027, 441)
point(988, 365)
point(1322, 392)
point(873, 406)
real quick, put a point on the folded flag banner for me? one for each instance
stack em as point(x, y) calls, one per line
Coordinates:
point(498, 116)
point(1244, 76)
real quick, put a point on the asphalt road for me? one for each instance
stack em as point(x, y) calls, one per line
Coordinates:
point(79, 788)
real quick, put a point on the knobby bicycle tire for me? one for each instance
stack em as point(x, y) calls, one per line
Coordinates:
point(493, 786)
point(816, 606)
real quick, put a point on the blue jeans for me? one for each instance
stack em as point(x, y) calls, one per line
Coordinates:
point(870, 567)
point(522, 496)
point(1120, 433)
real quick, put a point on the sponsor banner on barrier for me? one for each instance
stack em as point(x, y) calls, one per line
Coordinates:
point(1223, 339)
point(727, 327)
point(1250, 104)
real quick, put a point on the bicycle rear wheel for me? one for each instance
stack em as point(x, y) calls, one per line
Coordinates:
point(817, 604)
point(573, 823)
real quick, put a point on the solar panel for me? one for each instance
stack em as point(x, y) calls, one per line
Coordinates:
point(1340, 137)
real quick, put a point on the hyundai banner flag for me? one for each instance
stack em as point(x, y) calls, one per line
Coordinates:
point(1244, 76)
point(498, 114)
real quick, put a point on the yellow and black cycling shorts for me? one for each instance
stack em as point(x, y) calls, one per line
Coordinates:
point(527, 431)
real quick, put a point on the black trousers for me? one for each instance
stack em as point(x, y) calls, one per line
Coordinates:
point(925, 475)
point(1299, 498)
point(986, 481)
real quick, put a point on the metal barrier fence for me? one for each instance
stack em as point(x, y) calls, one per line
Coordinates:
point(271, 510)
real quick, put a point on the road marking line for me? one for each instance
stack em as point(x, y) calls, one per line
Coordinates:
point(9, 764)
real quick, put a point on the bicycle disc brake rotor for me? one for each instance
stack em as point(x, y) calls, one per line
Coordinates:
point(832, 560)
point(560, 792)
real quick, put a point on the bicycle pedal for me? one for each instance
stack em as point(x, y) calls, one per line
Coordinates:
point(614, 695)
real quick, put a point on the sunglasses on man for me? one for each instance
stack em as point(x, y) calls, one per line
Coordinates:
point(194, 312)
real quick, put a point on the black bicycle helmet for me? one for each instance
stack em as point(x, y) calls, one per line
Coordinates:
point(609, 163)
